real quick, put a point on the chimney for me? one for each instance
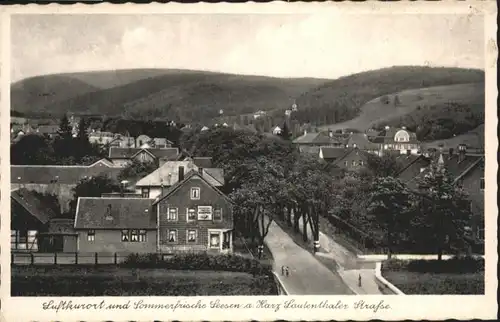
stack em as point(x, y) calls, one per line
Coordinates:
point(200, 171)
point(181, 173)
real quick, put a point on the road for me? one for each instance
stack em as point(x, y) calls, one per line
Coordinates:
point(347, 265)
point(308, 276)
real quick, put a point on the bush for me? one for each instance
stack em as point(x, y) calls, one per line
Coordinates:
point(89, 285)
point(456, 265)
point(199, 261)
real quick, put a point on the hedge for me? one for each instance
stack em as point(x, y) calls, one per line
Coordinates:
point(199, 261)
point(112, 286)
point(456, 265)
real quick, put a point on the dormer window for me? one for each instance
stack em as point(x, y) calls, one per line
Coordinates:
point(145, 192)
point(195, 193)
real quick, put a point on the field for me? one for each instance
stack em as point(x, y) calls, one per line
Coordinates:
point(114, 281)
point(376, 111)
point(434, 277)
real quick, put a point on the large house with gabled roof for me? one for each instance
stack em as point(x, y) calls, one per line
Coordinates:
point(171, 172)
point(191, 215)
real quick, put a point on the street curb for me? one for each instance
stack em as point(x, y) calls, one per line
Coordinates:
point(281, 285)
point(381, 279)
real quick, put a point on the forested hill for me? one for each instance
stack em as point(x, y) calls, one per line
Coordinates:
point(196, 96)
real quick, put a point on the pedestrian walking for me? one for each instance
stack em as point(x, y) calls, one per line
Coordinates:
point(359, 280)
point(282, 270)
point(287, 270)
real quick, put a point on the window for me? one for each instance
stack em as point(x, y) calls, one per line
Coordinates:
point(195, 193)
point(125, 236)
point(353, 163)
point(91, 235)
point(481, 184)
point(204, 212)
point(214, 240)
point(172, 235)
point(361, 163)
point(218, 214)
point(172, 214)
point(191, 214)
point(346, 163)
point(134, 235)
point(191, 235)
point(145, 192)
point(142, 235)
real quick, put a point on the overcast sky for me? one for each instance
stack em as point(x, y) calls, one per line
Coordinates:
point(272, 45)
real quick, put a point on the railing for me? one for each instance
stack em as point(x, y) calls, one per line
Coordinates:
point(67, 258)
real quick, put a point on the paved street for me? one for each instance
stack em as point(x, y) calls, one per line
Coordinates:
point(349, 266)
point(308, 276)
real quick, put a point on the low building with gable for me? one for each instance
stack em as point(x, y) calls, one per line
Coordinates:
point(124, 156)
point(59, 180)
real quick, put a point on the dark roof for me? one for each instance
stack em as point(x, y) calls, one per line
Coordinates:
point(387, 136)
point(36, 207)
point(26, 174)
point(333, 153)
point(114, 213)
point(320, 138)
point(178, 184)
point(203, 162)
point(120, 195)
point(361, 141)
point(127, 153)
point(365, 155)
point(122, 153)
point(457, 167)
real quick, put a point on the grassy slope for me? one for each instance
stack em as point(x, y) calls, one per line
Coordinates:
point(375, 111)
point(187, 94)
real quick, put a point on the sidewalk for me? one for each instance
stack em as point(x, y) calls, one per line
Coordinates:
point(308, 276)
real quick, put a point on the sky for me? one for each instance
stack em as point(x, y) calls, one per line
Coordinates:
point(280, 45)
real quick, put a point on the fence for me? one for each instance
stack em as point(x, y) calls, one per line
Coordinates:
point(67, 258)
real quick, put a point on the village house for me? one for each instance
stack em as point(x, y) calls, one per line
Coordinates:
point(397, 139)
point(142, 140)
point(193, 215)
point(354, 160)
point(59, 180)
point(124, 156)
point(360, 141)
point(171, 172)
point(122, 141)
point(258, 114)
point(113, 225)
point(101, 138)
point(29, 217)
point(276, 130)
point(311, 142)
point(467, 171)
